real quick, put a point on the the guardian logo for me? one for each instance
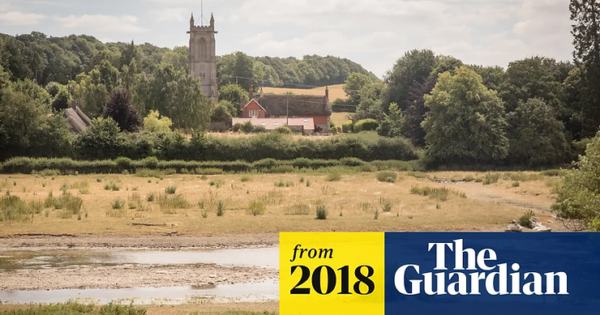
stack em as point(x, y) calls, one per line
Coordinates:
point(483, 276)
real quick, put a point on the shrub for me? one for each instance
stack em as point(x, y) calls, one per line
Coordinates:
point(150, 162)
point(386, 204)
point(283, 130)
point(491, 178)
point(150, 197)
point(171, 190)
point(525, 219)
point(117, 204)
point(12, 208)
point(256, 208)
point(220, 209)
point(169, 203)
point(246, 178)
point(333, 177)
point(366, 125)
point(515, 184)
point(348, 127)
point(321, 213)
point(208, 171)
point(389, 177)
point(440, 194)
point(155, 123)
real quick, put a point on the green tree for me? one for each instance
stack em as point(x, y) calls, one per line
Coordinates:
point(534, 77)
point(32, 89)
point(391, 126)
point(413, 68)
point(62, 100)
point(579, 193)
point(221, 114)
point(465, 123)
point(91, 94)
point(120, 110)
point(99, 141)
point(492, 76)
point(178, 58)
point(536, 137)
point(585, 15)
point(243, 71)
point(233, 93)
point(29, 128)
point(155, 123)
point(354, 84)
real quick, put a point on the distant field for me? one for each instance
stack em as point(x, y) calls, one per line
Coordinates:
point(339, 118)
point(335, 91)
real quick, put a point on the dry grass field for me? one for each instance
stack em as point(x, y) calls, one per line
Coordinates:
point(335, 91)
point(269, 203)
point(339, 118)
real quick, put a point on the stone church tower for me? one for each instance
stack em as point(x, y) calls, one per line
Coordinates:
point(203, 58)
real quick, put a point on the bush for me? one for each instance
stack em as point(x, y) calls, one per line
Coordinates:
point(525, 219)
point(155, 123)
point(366, 125)
point(283, 130)
point(256, 208)
point(321, 213)
point(389, 177)
point(333, 177)
point(491, 178)
point(551, 173)
point(348, 127)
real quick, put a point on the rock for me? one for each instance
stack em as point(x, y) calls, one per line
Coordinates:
point(549, 221)
point(537, 226)
point(514, 227)
point(212, 276)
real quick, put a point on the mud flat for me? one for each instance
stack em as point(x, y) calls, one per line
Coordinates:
point(206, 241)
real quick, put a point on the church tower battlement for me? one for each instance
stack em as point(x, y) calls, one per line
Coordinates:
point(203, 57)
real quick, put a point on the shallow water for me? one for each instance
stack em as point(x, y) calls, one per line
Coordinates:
point(239, 292)
point(255, 257)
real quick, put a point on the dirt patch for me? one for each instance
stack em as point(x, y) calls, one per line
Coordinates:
point(141, 241)
point(131, 276)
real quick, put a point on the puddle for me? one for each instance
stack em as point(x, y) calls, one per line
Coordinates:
point(239, 292)
point(255, 257)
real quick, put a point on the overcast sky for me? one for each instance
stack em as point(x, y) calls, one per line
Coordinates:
point(374, 33)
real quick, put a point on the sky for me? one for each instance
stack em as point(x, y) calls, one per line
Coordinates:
point(373, 33)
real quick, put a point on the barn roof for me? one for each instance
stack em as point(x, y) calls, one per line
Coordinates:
point(299, 105)
point(77, 119)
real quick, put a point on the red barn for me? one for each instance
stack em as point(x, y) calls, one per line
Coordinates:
point(274, 106)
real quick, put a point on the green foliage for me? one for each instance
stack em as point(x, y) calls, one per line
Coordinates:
point(491, 178)
point(365, 125)
point(579, 193)
point(34, 90)
point(391, 126)
point(389, 177)
point(354, 83)
point(62, 100)
point(285, 130)
point(220, 113)
point(465, 123)
point(439, 194)
point(29, 128)
point(98, 141)
point(411, 69)
point(551, 173)
point(154, 122)
point(220, 208)
point(348, 127)
point(333, 177)
point(256, 208)
point(536, 136)
point(321, 213)
point(171, 190)
point(233, 93)
point(525, 219)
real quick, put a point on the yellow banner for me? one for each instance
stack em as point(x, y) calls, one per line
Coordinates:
point(331, 273)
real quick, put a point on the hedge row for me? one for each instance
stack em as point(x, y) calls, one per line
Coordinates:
point(24, 165)
point(174, 146)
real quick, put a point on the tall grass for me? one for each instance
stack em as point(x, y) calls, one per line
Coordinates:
point(321, 213)
point(297, 209)
point(170, 203)
point(73, 308)
point(256, 208)
point(440, 194)
point(388, 177)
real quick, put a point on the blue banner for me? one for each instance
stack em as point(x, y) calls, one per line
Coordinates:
point(492, 273)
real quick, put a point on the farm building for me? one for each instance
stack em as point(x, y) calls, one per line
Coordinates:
point(77, 119)
point(304, 125)
point(301, 109)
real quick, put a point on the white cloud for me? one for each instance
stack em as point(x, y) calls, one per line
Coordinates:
point(102, 23)
point(20, 18)
point(170, 14)
point(484, 32)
